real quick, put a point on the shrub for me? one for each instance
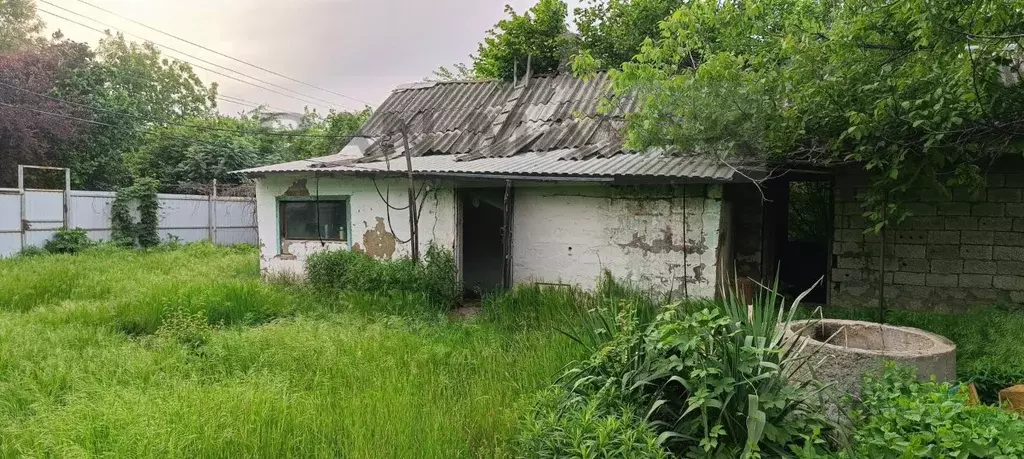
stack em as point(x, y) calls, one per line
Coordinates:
point(712, 379)
point(68, 241)
point(32, 251)
point(564, 426)
point(900, 417)
point(436, 278)
point(189, 329)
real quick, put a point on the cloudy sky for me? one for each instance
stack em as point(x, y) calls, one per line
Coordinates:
point(358, 48)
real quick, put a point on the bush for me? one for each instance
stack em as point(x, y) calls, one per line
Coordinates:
point(564, 426)
point(68, 241)
point(32, 251)
point(189, 329)
point(900, 417)
point(712, 379)
point(436, 278)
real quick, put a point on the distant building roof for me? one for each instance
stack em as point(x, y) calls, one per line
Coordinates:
point(549, 126)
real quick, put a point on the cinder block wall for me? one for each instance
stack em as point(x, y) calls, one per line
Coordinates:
point(955, 252)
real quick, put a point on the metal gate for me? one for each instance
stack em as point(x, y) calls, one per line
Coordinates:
point(42, 210)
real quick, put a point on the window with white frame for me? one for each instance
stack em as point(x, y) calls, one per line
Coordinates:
point(321, 220)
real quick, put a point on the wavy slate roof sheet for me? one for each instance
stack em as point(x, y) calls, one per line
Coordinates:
point(550, 126)
point(535, 164)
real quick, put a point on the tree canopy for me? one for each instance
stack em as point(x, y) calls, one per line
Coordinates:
point(123, 112)
point(915, 91)
point(611, 32)
point(608, 33)
point(539, 37)
point(131, 87)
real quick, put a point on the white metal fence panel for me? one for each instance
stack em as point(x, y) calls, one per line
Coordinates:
point(43, 216)
point(235, 220)
point(10, 221)
point(185, 217)
point(189, 218)
point(90, 211)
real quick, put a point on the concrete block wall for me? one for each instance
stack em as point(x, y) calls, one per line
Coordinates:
point(956, 251)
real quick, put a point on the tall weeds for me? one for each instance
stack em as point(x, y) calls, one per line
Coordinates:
point(183, 353)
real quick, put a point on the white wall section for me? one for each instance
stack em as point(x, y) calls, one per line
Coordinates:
point(369, 228)
point(664, 239)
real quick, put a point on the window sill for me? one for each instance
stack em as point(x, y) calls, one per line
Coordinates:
point(307, 246)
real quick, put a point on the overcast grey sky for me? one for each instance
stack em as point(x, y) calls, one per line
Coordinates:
point(359, 48)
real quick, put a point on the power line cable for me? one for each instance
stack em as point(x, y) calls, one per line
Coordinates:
point(44, 112)
point(241, 101)
point(312, 99)
point(220, 53)
point(193, 126)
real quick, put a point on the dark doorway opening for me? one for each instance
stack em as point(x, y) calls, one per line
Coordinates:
point(805, 244)
point(483, 240)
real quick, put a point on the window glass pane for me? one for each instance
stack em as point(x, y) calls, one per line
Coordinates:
point(300, 220)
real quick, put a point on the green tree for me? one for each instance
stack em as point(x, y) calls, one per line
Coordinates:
point(915, 91)
point(540, 35)
point(197, 150)
point(19, 25)
point(613, 31)
point(322, 135)
point(132, 87)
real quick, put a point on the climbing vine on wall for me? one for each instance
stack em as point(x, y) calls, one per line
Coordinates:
point(127, 231)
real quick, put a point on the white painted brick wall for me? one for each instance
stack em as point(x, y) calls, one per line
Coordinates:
point(562, 233)
point(368, 211)
point(570, 234)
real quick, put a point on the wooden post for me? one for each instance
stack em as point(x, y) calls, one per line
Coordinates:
point(506, 236)
point(413, 219)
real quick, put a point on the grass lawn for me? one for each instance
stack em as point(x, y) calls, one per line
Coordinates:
point(109, 353)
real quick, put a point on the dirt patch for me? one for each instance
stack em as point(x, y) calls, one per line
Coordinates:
point(465, 313)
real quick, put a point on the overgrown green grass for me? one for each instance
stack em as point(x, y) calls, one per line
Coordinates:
point(89, 364)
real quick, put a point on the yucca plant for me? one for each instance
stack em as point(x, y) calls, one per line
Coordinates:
point(715, 377)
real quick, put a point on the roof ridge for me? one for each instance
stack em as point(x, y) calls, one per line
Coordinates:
point(424, 84)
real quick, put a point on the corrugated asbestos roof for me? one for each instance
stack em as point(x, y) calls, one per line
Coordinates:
point(535, 164)
point(550, 126)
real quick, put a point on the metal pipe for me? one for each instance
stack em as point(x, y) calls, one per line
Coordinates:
point(213, 214)
point(209, 217)
point(21, 207)
point(67, 198)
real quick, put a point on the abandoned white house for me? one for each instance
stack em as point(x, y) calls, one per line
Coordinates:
point(529, 183)
point(523, 182)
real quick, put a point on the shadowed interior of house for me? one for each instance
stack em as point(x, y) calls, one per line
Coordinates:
point(483, 258)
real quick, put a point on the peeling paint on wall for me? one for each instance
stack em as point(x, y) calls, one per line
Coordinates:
point(297, 189)
point(366, 209)
point(666, 244)
point(664, 238)
point(378, 242)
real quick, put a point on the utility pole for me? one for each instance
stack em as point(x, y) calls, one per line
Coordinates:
point(413, 218)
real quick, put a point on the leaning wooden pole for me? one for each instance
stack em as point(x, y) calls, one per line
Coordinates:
point(414, 237)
